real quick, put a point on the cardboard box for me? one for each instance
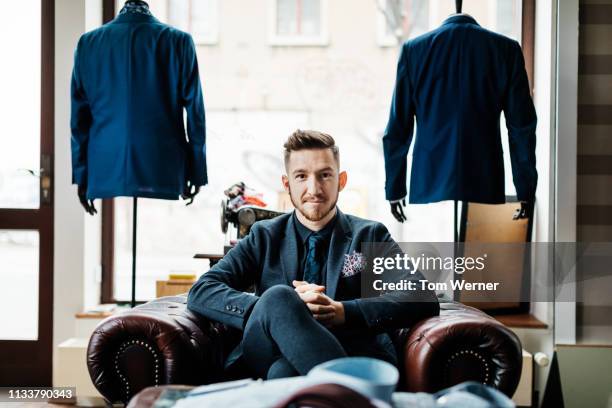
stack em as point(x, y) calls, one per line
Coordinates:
point(173, 287)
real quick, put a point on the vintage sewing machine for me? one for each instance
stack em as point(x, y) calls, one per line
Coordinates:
point(242, 209)
point(244, 217)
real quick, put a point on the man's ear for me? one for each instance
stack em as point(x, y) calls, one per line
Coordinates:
point(285, 181)
point(342, 179)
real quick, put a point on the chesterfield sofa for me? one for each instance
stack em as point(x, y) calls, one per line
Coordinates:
point(162, 342)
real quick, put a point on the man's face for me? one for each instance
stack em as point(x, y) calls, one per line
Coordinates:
point(313, 182)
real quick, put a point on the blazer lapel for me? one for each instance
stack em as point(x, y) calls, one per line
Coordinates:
point(289, 252)
point(339, 245)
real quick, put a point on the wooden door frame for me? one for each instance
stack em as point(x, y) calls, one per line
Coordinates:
point(108, 211)
point(528, 38)
point(37, 370)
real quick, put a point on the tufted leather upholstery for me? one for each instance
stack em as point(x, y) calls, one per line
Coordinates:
point(161, 342)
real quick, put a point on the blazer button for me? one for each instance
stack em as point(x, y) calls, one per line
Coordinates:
point(240, 310)
point(228, 307)
point(234, 309)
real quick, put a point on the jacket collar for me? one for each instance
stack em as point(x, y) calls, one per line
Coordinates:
point(460, 19)
point(135, 6)
point(339, 245)
point(288, 250)
point(134, 18)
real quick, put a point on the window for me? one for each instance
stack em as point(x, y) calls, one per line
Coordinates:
point(401, 19)
point(298, 22)
point(508, 18)
point(198, 17)
point(256, 95)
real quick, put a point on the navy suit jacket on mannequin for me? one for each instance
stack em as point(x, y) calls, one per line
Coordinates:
point(132, 79)
point(456, 81)
point(268, 257)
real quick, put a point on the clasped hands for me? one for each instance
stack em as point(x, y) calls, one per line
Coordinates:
point(328, 312)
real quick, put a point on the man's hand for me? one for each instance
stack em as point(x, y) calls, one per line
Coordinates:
point(327, 311)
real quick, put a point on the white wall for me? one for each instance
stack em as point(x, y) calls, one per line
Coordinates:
point(76, 237)
point(93, 225)
point(541, 340)
point(567, 130)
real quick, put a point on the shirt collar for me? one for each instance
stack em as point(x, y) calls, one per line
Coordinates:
point(304, 232)
point(139, 7)
point(460, 19)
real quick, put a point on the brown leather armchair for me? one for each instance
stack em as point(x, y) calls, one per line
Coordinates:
point(161, 342)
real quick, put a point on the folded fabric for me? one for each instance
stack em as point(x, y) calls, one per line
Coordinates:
point(326, 396)
point(373, 378)
point(256, 394)
point(350, 382)
point(471, 394)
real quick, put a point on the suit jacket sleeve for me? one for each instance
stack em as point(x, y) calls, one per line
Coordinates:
point(521, 122)
point(219, 293)
point(193, 101)
point(398, 134)
point(80, 123)
point(395, 309)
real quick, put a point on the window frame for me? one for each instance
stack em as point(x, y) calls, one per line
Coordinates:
point(321, 40)
point(213, 39)
point(36, 365)
point(107, 256)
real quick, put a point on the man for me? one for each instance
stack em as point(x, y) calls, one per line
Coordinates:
point(306, 309)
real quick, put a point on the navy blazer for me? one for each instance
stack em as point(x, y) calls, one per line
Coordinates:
point(132, 79)
point(456, 81)
point(268, 257)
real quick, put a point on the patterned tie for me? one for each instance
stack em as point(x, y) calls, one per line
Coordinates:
point(314, 259)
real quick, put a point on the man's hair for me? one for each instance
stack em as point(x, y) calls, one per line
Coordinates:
point(310, 139)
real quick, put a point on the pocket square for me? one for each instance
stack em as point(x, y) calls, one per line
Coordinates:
point(354, 263)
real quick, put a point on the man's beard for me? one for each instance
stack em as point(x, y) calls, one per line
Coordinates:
point(313, 215)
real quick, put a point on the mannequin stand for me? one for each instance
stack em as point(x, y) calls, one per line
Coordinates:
point(456, 292)
point(458, 6)
point(455, 219)
point(134, 226)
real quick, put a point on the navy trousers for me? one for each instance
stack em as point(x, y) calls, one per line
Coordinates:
point(283, 339)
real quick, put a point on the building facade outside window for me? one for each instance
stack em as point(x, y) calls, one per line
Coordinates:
point(398, 20)
point(198, 17)
point(298, 22)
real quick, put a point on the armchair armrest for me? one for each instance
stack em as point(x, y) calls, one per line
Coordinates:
point(461, 344)
point(159, 342)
